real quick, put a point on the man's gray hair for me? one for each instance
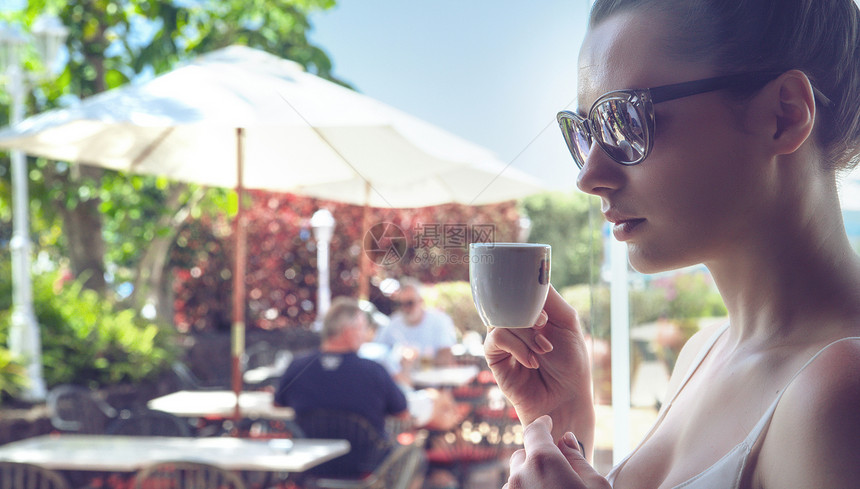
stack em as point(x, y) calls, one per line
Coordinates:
point(342, 311)
point(411, 283)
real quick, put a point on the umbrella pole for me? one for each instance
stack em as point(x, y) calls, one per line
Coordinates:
point(364, 260)
point(238, 329)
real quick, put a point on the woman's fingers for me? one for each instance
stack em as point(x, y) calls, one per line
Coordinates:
point(538, 434)
point(521, 343)
point(540, 464)
point(572, 451)
point(503, 343)
point(559, 311)
point(518, 458)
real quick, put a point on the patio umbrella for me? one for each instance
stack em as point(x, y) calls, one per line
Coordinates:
point(242, 118)
point(301, 133)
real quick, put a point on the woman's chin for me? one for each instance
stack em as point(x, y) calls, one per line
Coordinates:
point(650, 263)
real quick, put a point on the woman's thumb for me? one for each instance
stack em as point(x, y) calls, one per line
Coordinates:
point(571, 448)
point(574, 452)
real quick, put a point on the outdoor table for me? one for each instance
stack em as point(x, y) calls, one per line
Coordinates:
point(445, 376)
point(112, 453)
point(221, 404)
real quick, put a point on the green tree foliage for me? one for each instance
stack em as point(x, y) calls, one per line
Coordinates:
point(12, 375)
point(455, 299)
point(562, 220)
point(106, 224)
point(84, 338)
point(682, 297)
point(102, 222)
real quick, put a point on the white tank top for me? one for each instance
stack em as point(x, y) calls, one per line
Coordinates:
point(726, 473)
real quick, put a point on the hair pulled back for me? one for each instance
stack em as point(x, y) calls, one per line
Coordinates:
point(819, 37)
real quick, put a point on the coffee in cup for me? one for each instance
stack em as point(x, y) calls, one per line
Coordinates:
point(509, 282)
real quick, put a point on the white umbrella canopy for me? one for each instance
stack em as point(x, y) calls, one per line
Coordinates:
point(242, 118)
point(302, 134)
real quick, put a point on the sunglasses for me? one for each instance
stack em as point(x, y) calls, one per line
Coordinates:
point(406, 304)
point(622, 121)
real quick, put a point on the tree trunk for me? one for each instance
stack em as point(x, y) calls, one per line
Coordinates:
point(82, 226)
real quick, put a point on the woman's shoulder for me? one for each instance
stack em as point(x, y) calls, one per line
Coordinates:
point(830, 376)
point(814, 436)
point(827, 371)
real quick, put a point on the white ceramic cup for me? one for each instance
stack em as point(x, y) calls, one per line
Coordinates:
point(509, 282)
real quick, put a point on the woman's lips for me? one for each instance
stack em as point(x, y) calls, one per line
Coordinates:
point(623, 229)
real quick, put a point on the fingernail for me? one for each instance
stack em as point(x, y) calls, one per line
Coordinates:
point(543, 343)
point(533, 361)
point(571, 441)
point(541, 320)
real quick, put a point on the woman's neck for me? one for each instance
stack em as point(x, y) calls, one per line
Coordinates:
point(798, 270)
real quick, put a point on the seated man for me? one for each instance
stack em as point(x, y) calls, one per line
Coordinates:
point(336, 378)
point(426, 335)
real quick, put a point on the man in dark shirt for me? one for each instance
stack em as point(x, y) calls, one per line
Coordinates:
point(336, 378)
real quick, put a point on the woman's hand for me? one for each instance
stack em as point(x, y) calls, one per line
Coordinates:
point(542, 463)
point(545, 369)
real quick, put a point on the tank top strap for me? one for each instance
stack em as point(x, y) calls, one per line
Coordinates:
point(694, 365)
point(763, 423)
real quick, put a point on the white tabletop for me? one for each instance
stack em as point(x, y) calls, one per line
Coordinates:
point(200, 404)
point(112, 453)
point(444, 376)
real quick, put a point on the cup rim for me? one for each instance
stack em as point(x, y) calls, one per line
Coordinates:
point(509, 245)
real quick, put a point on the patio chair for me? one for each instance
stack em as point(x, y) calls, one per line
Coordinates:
point(18, 475)
point(77, 409)
point(188, 381)
point(258, 355)
point(368, 447)
point(182, 474)
point(263, 366)
point(148, 422)
point(269, 428)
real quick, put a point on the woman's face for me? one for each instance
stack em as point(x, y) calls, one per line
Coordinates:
point(694, 196)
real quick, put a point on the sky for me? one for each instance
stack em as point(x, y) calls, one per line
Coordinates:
point(494, 72)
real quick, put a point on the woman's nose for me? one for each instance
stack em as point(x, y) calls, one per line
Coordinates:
point(600, 174)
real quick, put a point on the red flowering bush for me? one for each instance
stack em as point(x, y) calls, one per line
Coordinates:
point(428, 243)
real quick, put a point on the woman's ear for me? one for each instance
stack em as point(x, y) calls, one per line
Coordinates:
point(793, 111)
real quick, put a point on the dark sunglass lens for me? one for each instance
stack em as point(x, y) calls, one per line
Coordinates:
point(577, 138)
point(619, 129)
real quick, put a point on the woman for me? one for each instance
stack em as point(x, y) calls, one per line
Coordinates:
point(731, 161)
